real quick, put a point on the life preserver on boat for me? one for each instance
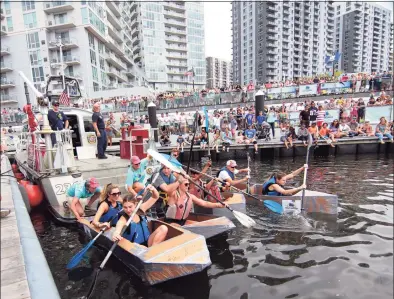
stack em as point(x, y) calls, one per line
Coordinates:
point(111, 213)
point(137, 232)
point(267, 184)
point(230, 173)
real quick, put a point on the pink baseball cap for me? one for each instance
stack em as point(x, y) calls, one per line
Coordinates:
point(135, 160)
point(231, 163)
point(93, 183)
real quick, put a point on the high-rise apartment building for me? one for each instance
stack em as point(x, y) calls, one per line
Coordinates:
point(219, 72)
point(362, 35)
point(274, 40)
point(171, 41)
point(93, 39)
point(391, 58)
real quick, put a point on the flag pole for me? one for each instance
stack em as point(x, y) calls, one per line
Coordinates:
point(193, 77)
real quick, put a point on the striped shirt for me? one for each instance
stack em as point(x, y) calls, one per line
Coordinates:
point(320, 115)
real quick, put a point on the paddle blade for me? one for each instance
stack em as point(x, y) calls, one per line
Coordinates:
point(173, 161)
point(245, 220)
point(79, 256)
point(273, 206)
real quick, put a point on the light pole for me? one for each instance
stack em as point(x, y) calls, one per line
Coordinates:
point(59, 44)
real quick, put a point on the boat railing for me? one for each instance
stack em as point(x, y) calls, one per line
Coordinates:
point(55, 159)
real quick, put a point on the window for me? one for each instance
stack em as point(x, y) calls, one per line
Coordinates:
point(94, 73)
point(100, 47)
point(102, 63)
point(30, 20)
point(91, 41)
point(60, 18)
point(28, 5)
point(32, 40)
point(96, 87)
point(93, 57)
point(38, 74)
point(9, 24)
point(35, 57)
point(103, 78)
point(7, 7)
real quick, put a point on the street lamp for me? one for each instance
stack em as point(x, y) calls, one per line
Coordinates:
point(60, 45)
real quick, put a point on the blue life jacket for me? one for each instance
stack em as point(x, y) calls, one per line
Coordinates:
point(112, 212)
point(137, 232)
point(231, 174)
point(267, 184)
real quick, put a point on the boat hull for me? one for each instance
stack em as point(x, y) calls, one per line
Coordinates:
point(182, 253)
point(314, 202)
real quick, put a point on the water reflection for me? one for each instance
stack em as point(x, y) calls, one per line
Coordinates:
point(282, 257)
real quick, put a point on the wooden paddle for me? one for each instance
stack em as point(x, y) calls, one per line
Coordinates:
point(310, 141)
point(241, 217)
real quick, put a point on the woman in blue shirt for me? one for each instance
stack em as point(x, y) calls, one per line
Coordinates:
point(109, 207)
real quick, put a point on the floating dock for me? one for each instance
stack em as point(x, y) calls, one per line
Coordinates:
point(24, 269)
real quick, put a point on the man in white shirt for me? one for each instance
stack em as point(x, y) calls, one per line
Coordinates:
point(227, 174)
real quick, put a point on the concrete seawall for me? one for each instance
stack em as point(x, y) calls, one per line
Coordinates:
point(24, 269)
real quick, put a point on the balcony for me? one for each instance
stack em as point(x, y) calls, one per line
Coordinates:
point(71, 60)
point(174, 6)
point(116, 34)
point(133, 15)
point(176, 63)
point(133, 4)
point(60, 24)
point(130, 72)
point(136, 49)
point(173, 14)
point(175, 39)
point(137, 57)
point(176, 23)
point(7, 99)
point(272, 45)
point(134, 23)
point(114, 45)
point(3, 30)
point(58, 7)
point(176, 55)
point(6, 83)
point(179, 32)
point(271, 23)
point(114, 20)
point(112, 59)
point(113, 72)
point(6, 67)
point(175, 72)
point(114, 7)
point(135, 41)
point(5, 50)
point(68, 43)
point(135, 31)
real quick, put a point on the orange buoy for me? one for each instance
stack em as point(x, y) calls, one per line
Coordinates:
point(24, 182)
point(34, 194)
point(14, 167)
point(19, 176)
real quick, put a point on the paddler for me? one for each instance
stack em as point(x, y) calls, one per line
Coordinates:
point(78, 193)
point(196, 177)
point(138, 231)
point(136, 174)
point(181, 202)
point(166, 183)
point(274, 186)
point(109, 207)
point(227, 173)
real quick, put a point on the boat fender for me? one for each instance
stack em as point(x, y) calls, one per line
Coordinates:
point(34, 194)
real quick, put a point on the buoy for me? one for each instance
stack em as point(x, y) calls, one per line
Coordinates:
point(15, 167)
point(34, 194)
point(19, 176)
point(23, 182)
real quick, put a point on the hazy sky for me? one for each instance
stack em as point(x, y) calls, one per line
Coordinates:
point(218, 28)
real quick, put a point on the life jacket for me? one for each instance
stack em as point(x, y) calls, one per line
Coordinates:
point(112, 212)
point(214, 190)
point(231, 174)
point(267, 184)
point(168, 180)
point(137, 232)
point(180, 212)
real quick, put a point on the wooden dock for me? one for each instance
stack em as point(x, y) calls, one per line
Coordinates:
point(24, 271)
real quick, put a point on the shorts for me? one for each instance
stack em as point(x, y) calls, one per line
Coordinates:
point(320, 123)
point(177, 221)
point(203, 140)
point(283, 138)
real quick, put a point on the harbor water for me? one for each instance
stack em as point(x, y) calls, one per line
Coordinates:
point(350, 256)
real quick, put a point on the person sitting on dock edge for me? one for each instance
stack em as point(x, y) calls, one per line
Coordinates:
point(138, 231)
point(78, 193)
point(109, 207)
point(274, 186)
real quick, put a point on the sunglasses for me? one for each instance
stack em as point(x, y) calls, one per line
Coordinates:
point(116, 193)
point(186, 184)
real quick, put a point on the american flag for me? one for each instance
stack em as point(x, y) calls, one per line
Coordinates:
point(64, 98)
point(190, 72)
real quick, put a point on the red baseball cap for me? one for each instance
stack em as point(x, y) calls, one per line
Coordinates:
point(135, 160)
point(93, 183)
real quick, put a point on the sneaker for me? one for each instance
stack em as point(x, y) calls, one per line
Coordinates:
point(382, 142)
point(102, 157)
